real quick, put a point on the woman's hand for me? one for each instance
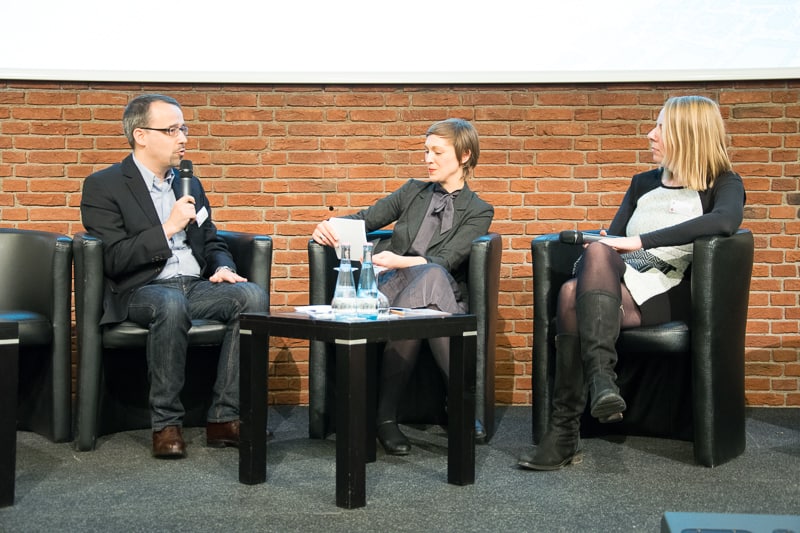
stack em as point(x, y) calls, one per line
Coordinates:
point(325, 235)
point(391, 260)
point(623, 244)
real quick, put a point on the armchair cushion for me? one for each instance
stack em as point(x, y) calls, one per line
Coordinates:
point(34, 329)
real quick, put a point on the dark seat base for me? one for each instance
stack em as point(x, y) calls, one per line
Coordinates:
point(125, 405)
point(657, 390)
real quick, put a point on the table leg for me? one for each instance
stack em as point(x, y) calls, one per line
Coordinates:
point(461, 410)
point(9, 378)
point(371, 432)
point(351, 410)
point(253, 388)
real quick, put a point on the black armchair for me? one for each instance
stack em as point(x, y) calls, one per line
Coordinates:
point(112, 390)
point(36, 292)
point(694, 371)
point(424, 400)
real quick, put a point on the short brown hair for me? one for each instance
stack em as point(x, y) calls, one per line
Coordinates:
point(464, 138)
point(137, 113)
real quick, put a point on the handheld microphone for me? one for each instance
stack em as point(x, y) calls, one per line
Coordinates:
point(578, 237)
point(186, 172)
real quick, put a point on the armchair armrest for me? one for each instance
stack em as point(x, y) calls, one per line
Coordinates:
point(62, 338)
point(721, 272)
point(552, 266)
point(484, 285)
point(88, 252)
point(252, 254)
point(321, 260)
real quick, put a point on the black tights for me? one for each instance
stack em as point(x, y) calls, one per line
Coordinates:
point(421, 286)
point(399, 359)
point(600, 269)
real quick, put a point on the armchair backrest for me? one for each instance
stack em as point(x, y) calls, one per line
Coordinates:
point(36, 272)
point(252, 254)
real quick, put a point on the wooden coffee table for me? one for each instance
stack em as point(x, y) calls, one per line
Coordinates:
point(355, 353)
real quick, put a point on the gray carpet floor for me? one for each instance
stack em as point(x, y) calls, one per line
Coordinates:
point(624, 484)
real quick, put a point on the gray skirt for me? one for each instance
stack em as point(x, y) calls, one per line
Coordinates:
point(422, 286)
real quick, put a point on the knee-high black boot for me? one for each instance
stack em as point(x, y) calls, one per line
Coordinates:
point(560, 446)
point(599, 318)
point(398, 363)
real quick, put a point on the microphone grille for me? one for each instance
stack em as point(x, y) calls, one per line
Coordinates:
point(569, 237)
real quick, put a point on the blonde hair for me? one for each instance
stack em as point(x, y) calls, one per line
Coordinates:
point(693, 134)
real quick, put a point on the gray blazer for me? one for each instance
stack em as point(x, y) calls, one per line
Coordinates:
point(407, 207)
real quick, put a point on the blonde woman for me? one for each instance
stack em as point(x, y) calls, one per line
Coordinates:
point(638, 278)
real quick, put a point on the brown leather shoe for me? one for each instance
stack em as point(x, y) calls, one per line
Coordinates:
point(221, 434)
point(168, 443)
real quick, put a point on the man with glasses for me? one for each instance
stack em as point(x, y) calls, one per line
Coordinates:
point(165, 265)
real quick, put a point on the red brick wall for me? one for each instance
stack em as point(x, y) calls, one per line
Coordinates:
point(277, 159)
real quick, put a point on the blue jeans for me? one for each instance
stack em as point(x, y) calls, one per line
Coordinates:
point(166, 308)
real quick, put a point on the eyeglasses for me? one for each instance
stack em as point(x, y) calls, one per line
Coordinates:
point(172, 131)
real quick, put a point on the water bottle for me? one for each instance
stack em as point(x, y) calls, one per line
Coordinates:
point(383, 305)
point(367, 294)
point(344, 296)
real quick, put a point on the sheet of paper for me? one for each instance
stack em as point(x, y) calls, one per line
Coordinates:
point(352, 232)
point(405, 311)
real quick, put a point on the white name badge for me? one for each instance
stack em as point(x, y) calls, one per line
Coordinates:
point(202, 216)
point(681, 208)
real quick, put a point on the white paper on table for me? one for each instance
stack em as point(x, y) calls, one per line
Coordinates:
point(352, 232)
point(405, 311)
point(315, 310)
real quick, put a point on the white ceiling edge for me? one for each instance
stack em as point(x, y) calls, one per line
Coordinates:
point(360, 78)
